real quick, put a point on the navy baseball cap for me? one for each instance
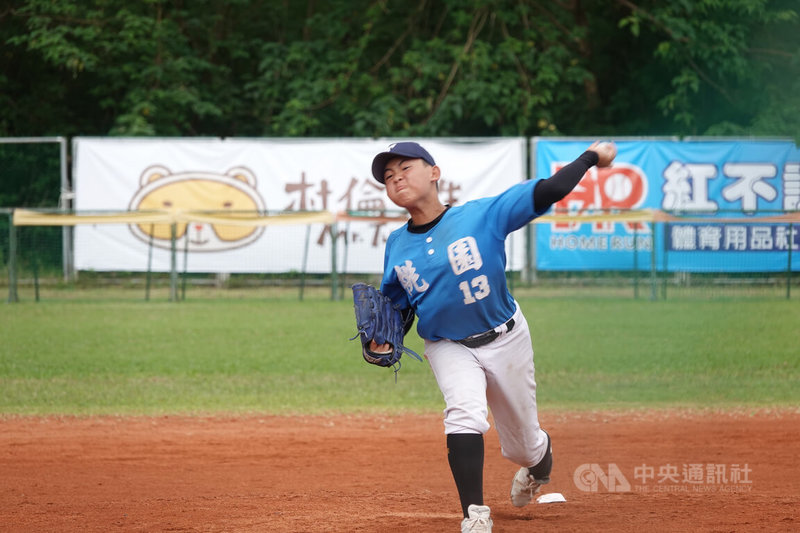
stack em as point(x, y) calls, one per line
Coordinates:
point(407, 149)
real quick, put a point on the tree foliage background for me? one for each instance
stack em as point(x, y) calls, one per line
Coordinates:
point(392, 68)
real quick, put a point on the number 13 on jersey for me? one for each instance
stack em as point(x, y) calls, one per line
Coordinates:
point(476, 289)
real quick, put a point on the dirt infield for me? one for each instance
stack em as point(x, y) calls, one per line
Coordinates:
point(641, 471)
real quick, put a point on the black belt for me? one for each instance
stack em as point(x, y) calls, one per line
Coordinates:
point(481, 339)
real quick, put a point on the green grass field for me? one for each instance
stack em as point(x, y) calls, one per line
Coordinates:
point(231, 356)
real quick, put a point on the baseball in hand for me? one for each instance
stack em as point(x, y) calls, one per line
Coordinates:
point(606, 152)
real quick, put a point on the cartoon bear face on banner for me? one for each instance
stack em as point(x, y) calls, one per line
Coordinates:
point(234, 191)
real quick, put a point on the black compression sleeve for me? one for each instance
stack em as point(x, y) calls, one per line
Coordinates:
point(407, 315)
point(549, 191)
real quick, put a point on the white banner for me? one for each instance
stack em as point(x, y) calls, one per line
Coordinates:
point(238, 175)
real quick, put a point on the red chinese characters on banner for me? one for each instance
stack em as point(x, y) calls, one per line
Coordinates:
point(620, 187)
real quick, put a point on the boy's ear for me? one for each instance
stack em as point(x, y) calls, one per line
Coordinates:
point(436, 173)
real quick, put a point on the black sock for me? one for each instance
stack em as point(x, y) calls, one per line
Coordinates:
point(465, 455)
point(541, 472)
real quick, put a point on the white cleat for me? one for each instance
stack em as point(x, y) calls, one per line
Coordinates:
point(523, 487)
point(478, 520)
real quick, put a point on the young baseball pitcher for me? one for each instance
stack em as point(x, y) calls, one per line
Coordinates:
point(447, 267)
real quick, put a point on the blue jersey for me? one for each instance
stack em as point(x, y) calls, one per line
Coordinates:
point(453, 274)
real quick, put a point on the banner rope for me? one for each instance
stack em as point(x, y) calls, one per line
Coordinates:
point(33, 217)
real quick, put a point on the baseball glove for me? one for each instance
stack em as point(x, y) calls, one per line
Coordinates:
point(379, 320)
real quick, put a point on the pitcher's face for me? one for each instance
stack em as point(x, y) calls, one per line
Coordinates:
point(408, 181)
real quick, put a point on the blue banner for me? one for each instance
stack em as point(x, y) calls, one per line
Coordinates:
point(717, 179)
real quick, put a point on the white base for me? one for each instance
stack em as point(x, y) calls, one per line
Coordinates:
point(553, 497)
